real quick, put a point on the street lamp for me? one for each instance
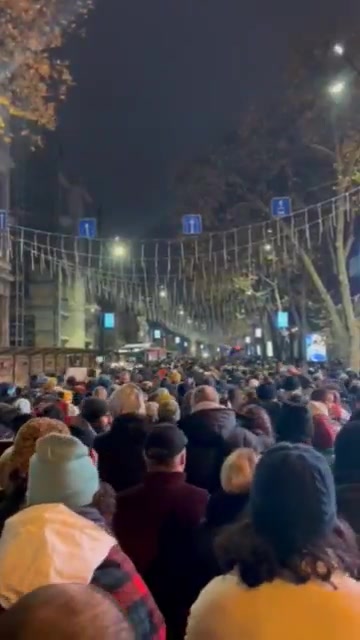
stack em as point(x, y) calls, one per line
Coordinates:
point(339, 49)
point(162, 292)
point(337, 88)
point(118, 249)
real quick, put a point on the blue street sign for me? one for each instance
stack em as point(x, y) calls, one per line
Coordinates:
point(282, 319)
point(109, 320)
point(87, 228)
point(3, 220)
point(192, 224)
point(281, 207)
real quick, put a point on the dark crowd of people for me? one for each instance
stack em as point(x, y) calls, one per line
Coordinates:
point(181, 501)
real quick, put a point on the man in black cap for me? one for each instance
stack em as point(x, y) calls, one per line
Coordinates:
point(155, 524)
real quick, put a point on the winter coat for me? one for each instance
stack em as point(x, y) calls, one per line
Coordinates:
point(348, 501)
point(83, 431)
point(226, 610)
point(121, 459)
point(70, 548)
point(273, 409)
point(155, 525)
point(212, 435)
point(324, 433)
point(223, 509)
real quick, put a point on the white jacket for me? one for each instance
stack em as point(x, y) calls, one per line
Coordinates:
point(48, 544)
point(226, 610)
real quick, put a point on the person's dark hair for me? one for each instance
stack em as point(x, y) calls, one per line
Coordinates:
point(240, 547)
point(320, 395)
point(295, 422)
point(257, 420)
point(52, 411)
point(92, 409)
point(19, 420)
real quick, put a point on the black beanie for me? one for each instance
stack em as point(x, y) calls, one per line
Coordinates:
point(292, 498)
point(347, 453)
point(291, 383)
point(294, 423)
point(93, 409)
point(266, 391)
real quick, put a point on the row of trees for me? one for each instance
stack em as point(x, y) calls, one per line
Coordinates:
point(33, 77)
point(308, 147)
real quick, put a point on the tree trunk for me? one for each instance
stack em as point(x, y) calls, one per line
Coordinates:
point(354, 347)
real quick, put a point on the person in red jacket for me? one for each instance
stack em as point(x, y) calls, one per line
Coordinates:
point(324, 429)
point(155, 524)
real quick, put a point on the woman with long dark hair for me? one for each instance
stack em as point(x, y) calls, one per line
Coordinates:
point(292, 565)
point(257, 420)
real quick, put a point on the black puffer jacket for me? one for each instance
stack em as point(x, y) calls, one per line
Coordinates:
point(121, 458)
point(348, 501)
point(223, 509)
point(212, 435)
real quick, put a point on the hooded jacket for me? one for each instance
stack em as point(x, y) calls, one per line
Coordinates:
point(212, 434)
point(49, 544)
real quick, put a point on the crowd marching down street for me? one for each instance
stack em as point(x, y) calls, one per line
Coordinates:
point(182, 500)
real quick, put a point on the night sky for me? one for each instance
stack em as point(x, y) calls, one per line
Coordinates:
point(160, 80)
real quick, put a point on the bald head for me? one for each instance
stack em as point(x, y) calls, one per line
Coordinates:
point(65, 612)
point(205, 394)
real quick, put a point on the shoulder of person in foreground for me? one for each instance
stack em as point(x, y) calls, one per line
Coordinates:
point(226, 609)
point(208, 613)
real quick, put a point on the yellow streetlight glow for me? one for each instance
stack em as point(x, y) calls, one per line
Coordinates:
point(119, 250)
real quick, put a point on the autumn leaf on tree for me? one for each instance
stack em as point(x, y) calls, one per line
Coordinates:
point(32, 78)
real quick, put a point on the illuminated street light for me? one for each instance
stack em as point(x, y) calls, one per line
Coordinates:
point(339, 49)
point(162, 293)
point(337, 88)
point(181, 312)
point(118, 249)
point(267, 247)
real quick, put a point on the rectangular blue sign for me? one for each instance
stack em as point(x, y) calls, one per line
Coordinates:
point(192, 224)
point(282, 319)
point(109, 320)
point(3, 220)
point(87, 228)
point(281, 207)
